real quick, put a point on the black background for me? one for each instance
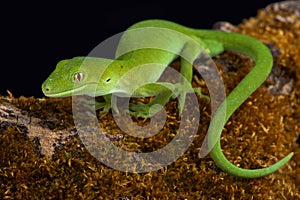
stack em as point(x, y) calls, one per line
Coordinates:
point(36, 36)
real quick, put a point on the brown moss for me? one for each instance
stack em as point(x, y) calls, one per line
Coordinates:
point(262, 131)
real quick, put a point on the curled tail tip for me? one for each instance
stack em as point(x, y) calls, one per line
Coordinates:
point(284, 160)
point(253, 173)
point(289, 156)
point(271, 169)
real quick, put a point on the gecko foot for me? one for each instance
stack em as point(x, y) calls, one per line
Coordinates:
point(144, 110)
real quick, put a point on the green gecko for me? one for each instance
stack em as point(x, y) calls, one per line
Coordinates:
point(100, 76)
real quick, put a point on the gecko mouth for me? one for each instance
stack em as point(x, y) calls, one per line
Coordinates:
point(87, 89)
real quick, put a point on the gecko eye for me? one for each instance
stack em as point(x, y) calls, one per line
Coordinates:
point(78, 77)
point(108, 80)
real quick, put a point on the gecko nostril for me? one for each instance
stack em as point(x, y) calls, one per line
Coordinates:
point(47, 89)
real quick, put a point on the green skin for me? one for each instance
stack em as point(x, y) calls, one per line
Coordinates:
point(79, 76)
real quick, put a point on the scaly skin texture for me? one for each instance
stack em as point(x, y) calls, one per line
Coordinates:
point(160, 42)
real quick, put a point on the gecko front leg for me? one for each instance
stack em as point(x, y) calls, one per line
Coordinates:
point(162, 92)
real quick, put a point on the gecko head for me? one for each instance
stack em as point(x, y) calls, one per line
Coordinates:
point(79, 75)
